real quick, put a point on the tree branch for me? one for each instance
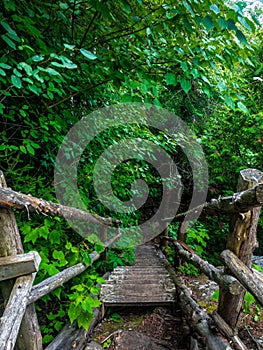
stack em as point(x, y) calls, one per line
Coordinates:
point(11, 199)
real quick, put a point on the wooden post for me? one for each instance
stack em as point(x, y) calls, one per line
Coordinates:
point(29, 337)
point(242, 241)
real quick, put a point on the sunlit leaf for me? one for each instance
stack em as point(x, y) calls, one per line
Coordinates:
point(186, 85)
point(215, 9)
point(16, 81)
point(88, 54)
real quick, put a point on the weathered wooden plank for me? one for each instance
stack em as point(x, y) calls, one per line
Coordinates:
point(141, 284)
point(14, 312)
point(19, 265)
point(244, 274)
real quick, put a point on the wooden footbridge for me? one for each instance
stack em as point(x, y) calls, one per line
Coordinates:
point(145, 283)
point(151, 281)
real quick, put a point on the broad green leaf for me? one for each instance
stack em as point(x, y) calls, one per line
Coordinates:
point(30, 149)
point(208, 22)
point(221, 85)
point(74, 311)
point(170, 78)
point(14, 37)
point(8, 41)
point(8, 28)
point(231, 24)
point(230, 102)
point(65, 65)
point(52, 71)
point(88, 54)
point(186, 85)
point(2, 72)
point(5, 66)
point(17, 73)
point(204, 78)
point(23, 149)
point(56, 64)
point(244, 23)
point(242, 107)
point(184, 66)
point(148, 31)
point(26, 67)
point(38, 58)
point(16, 81)
point(215, 9)
point(222, 23)
point(241, 37)
point(195, 73)
point(188, 7)
point(70, 47)
point(34, 89)
point(125, 5)
point(250, 63)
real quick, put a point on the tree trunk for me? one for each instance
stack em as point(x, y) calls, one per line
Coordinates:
point(242, 241)
point(29, 337)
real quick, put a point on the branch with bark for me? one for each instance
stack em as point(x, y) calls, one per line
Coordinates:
point(14, 200)
point(240, 202)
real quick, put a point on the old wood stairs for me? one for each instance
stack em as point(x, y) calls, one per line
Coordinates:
point(145, 283)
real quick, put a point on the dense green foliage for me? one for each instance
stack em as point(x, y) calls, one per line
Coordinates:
point(61, 60)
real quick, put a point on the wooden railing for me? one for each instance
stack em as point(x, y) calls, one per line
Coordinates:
point(238, 275)
point(18, 324)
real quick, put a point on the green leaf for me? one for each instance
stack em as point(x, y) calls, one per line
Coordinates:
point(31, 236)
point(208, 22)
point(69, 65)
point(38, 58)
point(30, 149)
point(88, 54)
point(195, 73)
point(5, 66)
point(184, 66)
point(242, 107)
point(52, 71)
point(244, 23)
point(74, 311)
point(2, 72)
point(188, 7)
point(23, 149)
point(34, 89)
point(170, 78)
point(215, 9)
point(8, 28)
point(222, 23)
point(185, 85)
point(231, 24)
point(241, 37)
point(70, 47)
point(230, 102)
point(17, 73)
point(8, 41)
point(43, 232)
point(16, 81)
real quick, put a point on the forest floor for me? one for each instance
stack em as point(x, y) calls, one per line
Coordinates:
point(161, 328)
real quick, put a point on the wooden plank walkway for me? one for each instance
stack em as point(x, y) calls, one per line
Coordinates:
point(145, 283)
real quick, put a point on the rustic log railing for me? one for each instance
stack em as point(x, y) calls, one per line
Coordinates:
point(19, 325)
point(238, 276)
